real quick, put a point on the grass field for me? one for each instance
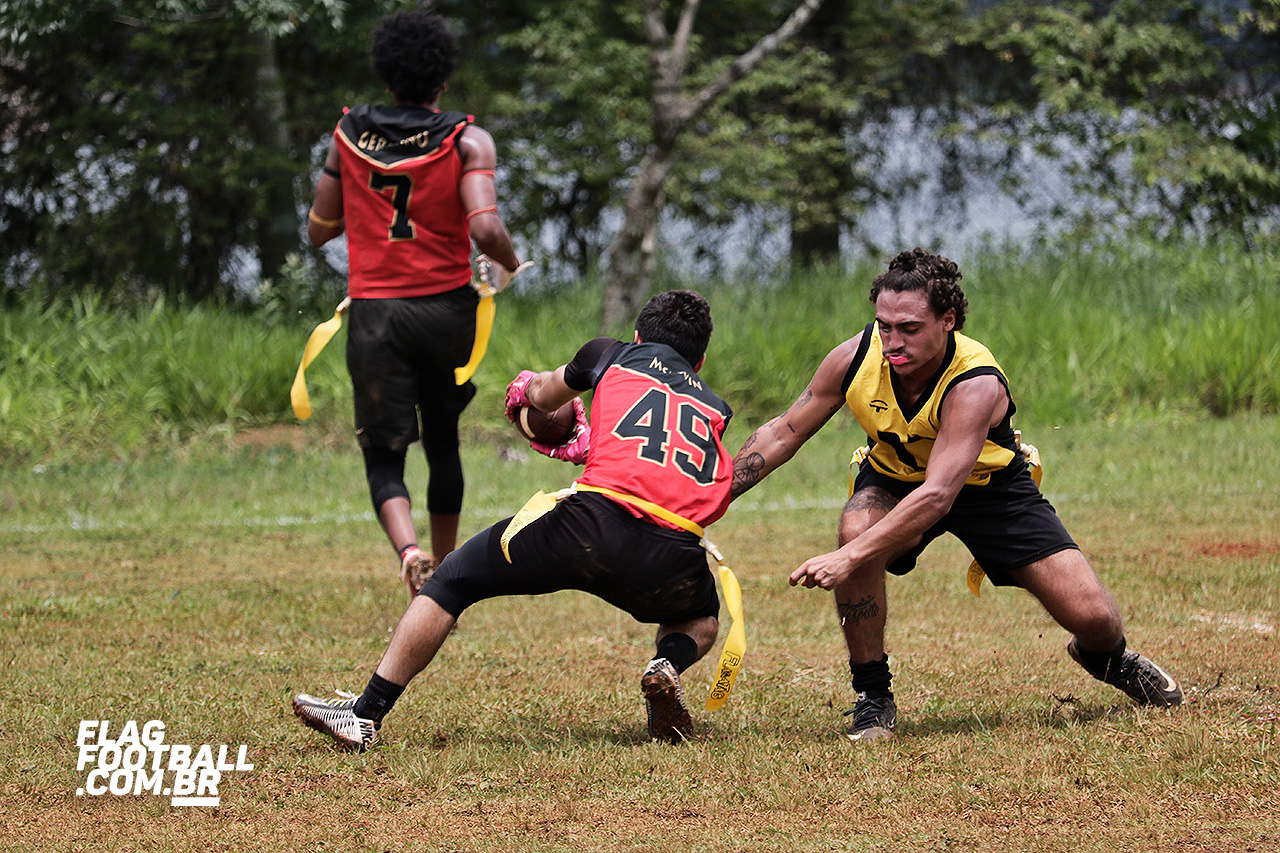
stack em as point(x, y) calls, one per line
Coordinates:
point(205, 583)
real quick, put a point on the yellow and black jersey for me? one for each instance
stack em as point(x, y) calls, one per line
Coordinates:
point(901, 436)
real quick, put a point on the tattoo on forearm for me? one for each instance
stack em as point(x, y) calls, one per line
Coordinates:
point(747, 471)
point(856, 612)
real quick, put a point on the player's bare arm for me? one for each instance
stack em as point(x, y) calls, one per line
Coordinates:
point(480, 197)
point(777, 441)
point(324, 222)
point(970, 410)
point(548, 391)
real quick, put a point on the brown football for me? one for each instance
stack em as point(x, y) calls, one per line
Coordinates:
point(555, 428)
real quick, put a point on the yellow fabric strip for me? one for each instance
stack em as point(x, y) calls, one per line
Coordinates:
point(735, 643)
point(484, 325)
point(320, 336)
point(534, 508)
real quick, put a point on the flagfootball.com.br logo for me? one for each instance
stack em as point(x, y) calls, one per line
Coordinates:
point(137, 761)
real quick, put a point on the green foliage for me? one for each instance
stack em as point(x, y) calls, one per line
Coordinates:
point(143, 163)
point(1170, 111)
point(1112, 332)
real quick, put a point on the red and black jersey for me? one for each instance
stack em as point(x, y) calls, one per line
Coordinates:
point(656, 432)
point(406, 227)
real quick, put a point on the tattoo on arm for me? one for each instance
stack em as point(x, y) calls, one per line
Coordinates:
point(856, 612)
point(747, 471)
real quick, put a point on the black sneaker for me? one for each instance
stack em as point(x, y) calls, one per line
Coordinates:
point(1141, 679)
point(873, 717)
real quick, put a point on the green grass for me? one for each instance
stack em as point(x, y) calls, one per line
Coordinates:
point(205, 584)
point(1117, 333)
point(174, 546)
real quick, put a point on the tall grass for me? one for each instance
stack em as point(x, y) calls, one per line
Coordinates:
point(1112, 332)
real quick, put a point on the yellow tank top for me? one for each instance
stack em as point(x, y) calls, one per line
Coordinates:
point(901, 438)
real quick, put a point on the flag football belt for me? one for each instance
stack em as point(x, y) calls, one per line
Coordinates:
point(735, 644)
point(320, 336)
point(323, 333)
point(975, 574)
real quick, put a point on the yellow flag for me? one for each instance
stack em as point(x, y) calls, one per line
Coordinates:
point(485, 311)
point(735, 644)
point(537, 506)
point(320, 336)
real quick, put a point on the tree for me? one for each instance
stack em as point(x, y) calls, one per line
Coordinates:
point(1166, 109)
point(673, 111)
point(163, 150)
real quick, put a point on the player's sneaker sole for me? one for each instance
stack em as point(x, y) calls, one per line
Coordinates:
point(669, 719)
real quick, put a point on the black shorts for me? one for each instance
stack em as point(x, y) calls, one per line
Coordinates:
point(588, 543)
point(401, 354)
point(1006, 524)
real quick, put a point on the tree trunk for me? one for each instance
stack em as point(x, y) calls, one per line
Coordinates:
point(631, 253)
point(278, 217)
point(633, 249)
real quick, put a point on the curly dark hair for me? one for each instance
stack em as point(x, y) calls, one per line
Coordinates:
point(937, 277)
point(414, 53)
point(681, 319)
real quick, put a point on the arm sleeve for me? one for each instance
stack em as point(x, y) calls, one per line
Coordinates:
point(589, 364)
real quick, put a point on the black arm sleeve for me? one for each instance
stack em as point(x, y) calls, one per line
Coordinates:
point(589, 364)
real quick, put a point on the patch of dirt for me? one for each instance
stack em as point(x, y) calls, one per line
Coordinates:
point(293, 436)
point(1236, 550)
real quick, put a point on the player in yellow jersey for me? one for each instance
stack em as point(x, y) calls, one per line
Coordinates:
point(941, 457)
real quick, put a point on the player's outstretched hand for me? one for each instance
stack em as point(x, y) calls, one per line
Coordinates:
point(518, 394)
point(575, 449)
point(494, 277)
point(825, 570)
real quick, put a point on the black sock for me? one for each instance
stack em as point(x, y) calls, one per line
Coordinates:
point(378, 698)
point(1098, 664)
point(872, 678)
point(678, 648)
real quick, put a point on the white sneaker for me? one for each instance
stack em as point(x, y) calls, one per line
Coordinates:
point(337, 719)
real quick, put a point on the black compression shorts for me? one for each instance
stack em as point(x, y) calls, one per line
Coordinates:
point(587, 543)
point(401, 354)
point(1006, 524)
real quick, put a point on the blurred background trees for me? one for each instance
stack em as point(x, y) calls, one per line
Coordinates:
point(170, 145)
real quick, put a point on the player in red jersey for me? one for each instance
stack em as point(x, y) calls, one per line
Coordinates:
point(656, 452)
point(412, 187)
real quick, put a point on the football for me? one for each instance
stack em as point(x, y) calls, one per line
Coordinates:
point(555, 428)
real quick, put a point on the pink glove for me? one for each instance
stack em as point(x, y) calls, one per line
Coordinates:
point(575, 449)
point(518, 393)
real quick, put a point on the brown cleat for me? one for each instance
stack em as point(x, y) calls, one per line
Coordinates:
point(415, 569)
point(669, 720)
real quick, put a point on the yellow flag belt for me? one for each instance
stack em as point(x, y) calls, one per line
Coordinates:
point(320, 336)
point(486, 309)
point(735, 644)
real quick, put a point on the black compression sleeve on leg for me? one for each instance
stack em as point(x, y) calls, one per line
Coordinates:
point(444, 464)
point(384, 469)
